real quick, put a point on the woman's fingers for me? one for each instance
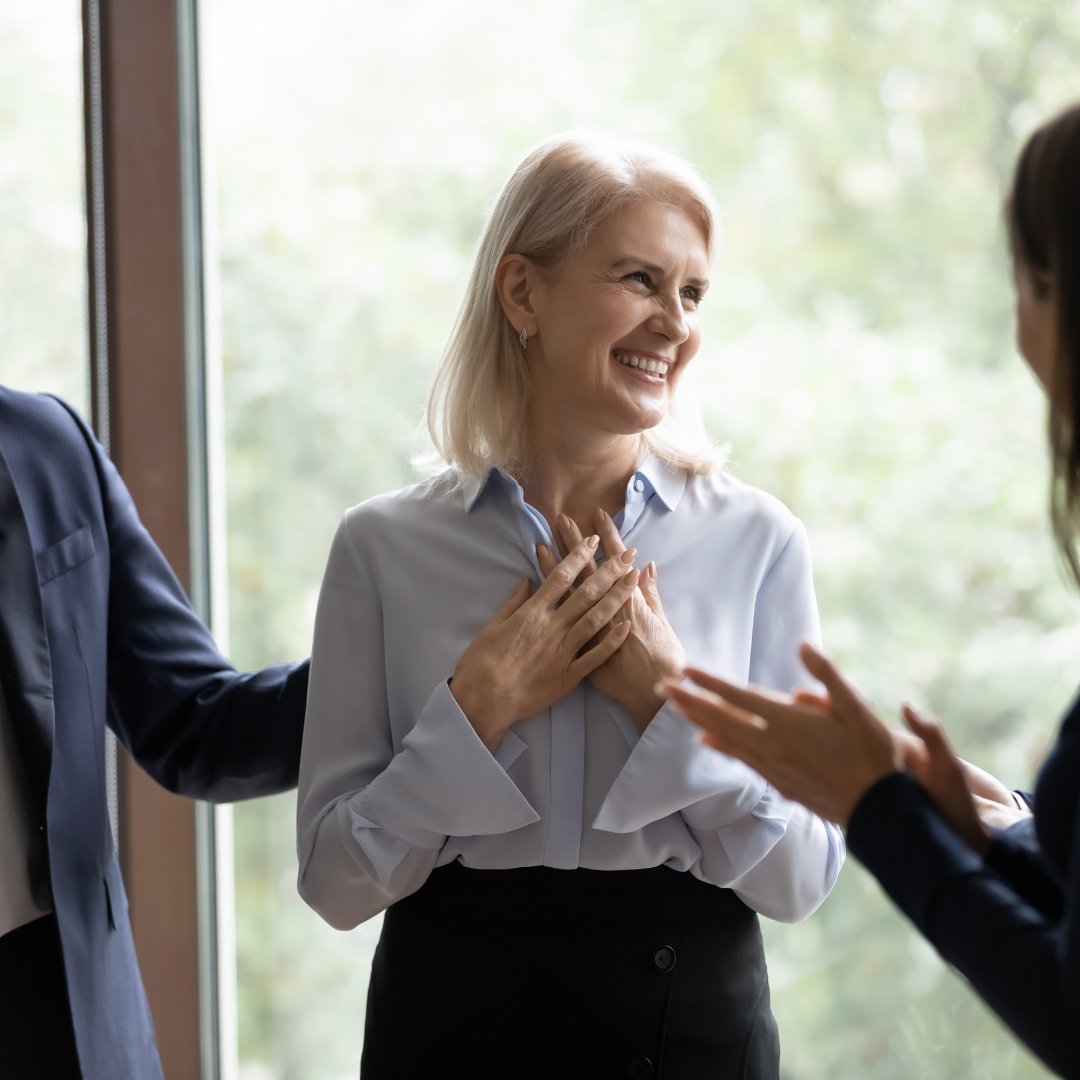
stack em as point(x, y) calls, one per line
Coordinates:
point(933, 738)
point(650, 591)
point(775, 713)
point(710, 682)
point(826, 672)
point(591, 619)
point(560, 580)
point(597, 586)
point(911, 751)
point(749, 699)
point(610, 539)
point(569, 536)
point(727, 728)
point(812, 698)
point(947, 763)
point(546, 559)
point(602, 651)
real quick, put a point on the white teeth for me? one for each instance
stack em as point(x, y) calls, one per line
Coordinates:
point(643, 363)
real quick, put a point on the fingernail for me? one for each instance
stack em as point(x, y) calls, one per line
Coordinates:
point(563, 522)
point(628, 556)
point(651, 569)
point(601, 517)
point(593, 541)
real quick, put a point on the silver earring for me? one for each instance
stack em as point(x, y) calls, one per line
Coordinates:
point(523, 337)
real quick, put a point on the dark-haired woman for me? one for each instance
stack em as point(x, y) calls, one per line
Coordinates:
point(999, 904)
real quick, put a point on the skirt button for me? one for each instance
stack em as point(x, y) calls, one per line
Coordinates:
point(664, 958)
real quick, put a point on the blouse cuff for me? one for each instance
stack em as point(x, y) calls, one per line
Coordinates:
point(670, 771)
point(445, 782)
point(749, 839)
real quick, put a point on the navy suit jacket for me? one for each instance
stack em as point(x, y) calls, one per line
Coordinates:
point(95, 630)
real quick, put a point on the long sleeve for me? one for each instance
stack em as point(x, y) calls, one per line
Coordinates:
point(1024, 964)
point(374, 809)
point(1016, 856)
point(781, 859)
point(393, 779)
point(188, 717)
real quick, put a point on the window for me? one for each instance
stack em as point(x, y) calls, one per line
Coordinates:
point(42, 219)
point(857, 356)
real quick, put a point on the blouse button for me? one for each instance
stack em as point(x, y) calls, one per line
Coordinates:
point(664, 958)
point(639, 1069)
point(639, 485)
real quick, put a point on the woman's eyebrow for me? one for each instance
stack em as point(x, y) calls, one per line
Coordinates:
point(654, 268)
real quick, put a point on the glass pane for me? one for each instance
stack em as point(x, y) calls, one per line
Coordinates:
point(857, 356)
point(42, 213)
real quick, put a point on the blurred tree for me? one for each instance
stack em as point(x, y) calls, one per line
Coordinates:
point(857, 355)
point(42, 219)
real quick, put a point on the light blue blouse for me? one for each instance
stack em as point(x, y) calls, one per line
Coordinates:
point(393, 779)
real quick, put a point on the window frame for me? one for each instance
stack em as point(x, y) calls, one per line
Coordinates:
point(143, 204)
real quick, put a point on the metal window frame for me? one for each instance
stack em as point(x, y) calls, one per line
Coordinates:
point(145, 313)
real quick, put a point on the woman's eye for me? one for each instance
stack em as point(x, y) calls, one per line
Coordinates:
point(639, 276)
point(692, 296)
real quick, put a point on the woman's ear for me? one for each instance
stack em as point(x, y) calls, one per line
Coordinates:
point(515, 278)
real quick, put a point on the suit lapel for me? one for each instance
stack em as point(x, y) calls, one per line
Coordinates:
point(25, 666)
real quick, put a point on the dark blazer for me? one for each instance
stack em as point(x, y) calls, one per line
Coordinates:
point(1009, 922)
point(95, 630)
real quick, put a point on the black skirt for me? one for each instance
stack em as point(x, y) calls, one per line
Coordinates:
point(534, 972)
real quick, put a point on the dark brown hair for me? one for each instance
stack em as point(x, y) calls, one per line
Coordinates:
point(1043, 217)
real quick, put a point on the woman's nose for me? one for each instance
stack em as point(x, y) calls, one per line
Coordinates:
point(670, 319)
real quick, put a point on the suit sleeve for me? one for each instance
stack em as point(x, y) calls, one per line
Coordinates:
point(1016, 856)
point(1023, 963)
point(188, 717)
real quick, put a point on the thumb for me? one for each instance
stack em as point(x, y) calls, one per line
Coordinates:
point(649, 590)
point(929, 731)
point(924, 726)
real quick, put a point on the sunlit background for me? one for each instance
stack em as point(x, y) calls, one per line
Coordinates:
point(857, 356)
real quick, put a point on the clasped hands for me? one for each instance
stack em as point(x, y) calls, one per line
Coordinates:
point(826, 750)
point(603, 622)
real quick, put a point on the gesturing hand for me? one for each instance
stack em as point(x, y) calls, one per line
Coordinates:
point(540, 645)
point(824, 751)
point(968, 798)
point(650, 651)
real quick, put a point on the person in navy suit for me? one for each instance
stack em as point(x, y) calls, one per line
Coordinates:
point(1001, 904)
point(95, 630)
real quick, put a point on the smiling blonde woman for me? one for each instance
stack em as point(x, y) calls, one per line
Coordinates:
point(571, 881)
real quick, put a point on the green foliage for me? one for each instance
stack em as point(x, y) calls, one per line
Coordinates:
point(857, 356)
point(42, 222)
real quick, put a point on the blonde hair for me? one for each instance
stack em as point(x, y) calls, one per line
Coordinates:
point(555, 197)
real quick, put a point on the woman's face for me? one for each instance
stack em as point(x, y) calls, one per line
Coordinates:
point(1036, 320)
point(618, 325)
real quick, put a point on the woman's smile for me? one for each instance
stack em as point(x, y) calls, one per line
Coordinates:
point(651, 368)
point(618, 324)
